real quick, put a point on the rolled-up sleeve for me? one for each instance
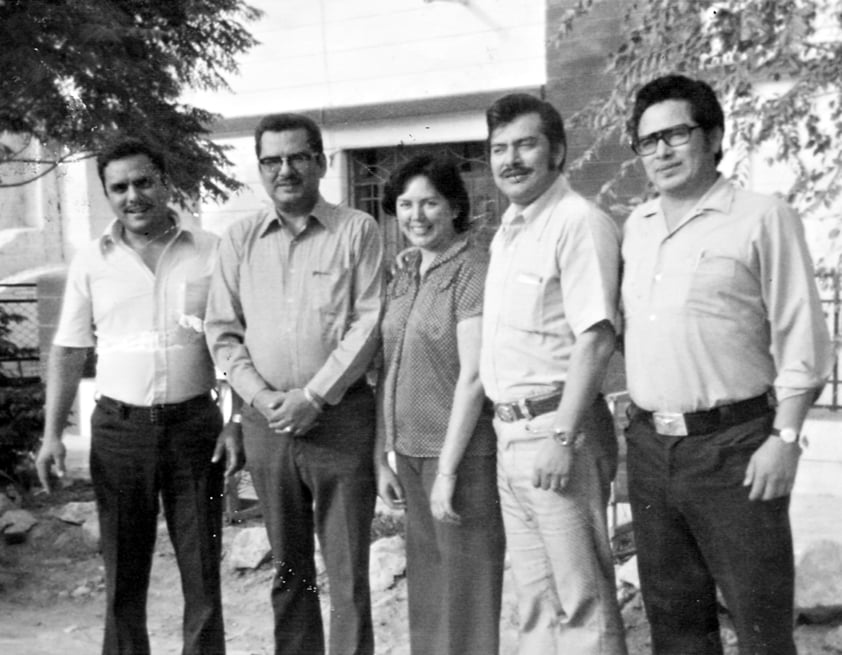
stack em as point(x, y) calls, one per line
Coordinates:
point(224, 322)
point(589, 260)
point(352, 356)
point(800, 342)
point(76, 328)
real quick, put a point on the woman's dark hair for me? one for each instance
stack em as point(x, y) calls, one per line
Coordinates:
point(443, 174)
point(127, 147)
point(285, 122)
point(705, 109)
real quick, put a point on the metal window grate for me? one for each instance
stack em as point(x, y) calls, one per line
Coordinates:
point(369, 168)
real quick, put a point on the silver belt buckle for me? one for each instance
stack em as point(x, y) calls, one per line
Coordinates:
point(505, 413)
point(670, 424)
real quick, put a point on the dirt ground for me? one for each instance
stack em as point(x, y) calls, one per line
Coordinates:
point(51, 599)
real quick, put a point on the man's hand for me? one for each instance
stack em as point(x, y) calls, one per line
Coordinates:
point(553, 465)
point(296, 414)
point(229, 444)
point(441, 499)
point(771, 470)
point(268, 402)
point(402, 258)
point(52, 451)
point(389, 486)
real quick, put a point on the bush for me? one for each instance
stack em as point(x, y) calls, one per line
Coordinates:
point(21, 411)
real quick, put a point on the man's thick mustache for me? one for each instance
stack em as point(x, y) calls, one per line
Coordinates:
point(513, 171)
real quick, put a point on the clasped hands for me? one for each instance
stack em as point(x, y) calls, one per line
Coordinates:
point(287, 412)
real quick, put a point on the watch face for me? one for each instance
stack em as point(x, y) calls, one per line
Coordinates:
point(788, 435)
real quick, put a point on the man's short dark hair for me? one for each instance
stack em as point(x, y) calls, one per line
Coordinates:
point(443, 174)
point(705, 109)
point(286, 122)
point(127, 147)
point(509, 107)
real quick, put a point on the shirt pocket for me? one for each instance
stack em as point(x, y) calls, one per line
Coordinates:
point(523, 308)
point(196, 296)
point(329, 293)
point(711, 284)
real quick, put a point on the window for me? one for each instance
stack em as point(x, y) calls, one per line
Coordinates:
point(369, 169)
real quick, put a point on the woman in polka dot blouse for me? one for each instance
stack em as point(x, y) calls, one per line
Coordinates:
point(433, 415)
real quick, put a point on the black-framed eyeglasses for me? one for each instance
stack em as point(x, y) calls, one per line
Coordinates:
point(297, 160)
point(672, 136)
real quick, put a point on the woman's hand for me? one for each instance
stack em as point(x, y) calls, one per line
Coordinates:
point(389, 487)
point(441, 499)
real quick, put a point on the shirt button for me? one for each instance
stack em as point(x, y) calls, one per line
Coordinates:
point(651, 317)
point(657, 277)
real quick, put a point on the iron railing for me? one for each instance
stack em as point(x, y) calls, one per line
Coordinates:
point(19, 342)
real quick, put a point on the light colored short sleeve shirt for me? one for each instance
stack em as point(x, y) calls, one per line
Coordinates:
point(722, 308)
point(421, 351)
point(554, 273)
point(148, 328)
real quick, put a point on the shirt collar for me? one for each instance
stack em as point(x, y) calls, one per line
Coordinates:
point(414, 256)
point(718, 198)
point(113, 233)
point(556, 191)
point(322, 211)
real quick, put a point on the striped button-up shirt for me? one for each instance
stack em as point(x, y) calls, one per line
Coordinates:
point(287, 311)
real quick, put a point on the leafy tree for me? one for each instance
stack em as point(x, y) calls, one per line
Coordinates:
point(73, 72)
point(739, 47)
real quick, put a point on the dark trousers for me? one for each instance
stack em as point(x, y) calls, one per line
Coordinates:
point(454, 572)
point(320, 482)
point(132, 464)
point(695, 530)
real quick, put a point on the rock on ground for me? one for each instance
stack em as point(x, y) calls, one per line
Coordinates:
point(818, 581)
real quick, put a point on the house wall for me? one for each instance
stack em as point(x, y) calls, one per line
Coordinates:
point(333, 53)
point(374, 73)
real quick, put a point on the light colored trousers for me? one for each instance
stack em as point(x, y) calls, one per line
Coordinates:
point(558, 544)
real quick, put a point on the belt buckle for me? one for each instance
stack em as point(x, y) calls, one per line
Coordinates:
point(505, 412)
point(525, 408)
point(671, 424)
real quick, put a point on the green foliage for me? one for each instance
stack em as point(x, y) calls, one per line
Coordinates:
point(21, 409)
point(739, 47)
point(73, 72)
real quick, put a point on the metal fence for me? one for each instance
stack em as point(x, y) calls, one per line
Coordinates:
point(19, 344)
point(830, 289)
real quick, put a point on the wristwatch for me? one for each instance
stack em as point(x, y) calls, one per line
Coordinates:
point(789, 435)
point(564, 437)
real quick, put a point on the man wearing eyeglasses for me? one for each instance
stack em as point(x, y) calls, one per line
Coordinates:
point(722, 315)
point(292, 320)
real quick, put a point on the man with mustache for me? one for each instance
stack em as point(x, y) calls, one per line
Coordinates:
point(138, 293)
point(292, 320)
point(549, 329)
point(726, 349)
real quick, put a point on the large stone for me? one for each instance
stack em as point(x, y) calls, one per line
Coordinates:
point(90, 532)
point(833, 640)
point(76, 512)
point(818, 581)
point(16, 520)
point(388, 562)
point(249, 549)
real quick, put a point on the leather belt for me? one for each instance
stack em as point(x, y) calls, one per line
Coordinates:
point(675, 424)
point(154, 414)
point(529, 407)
